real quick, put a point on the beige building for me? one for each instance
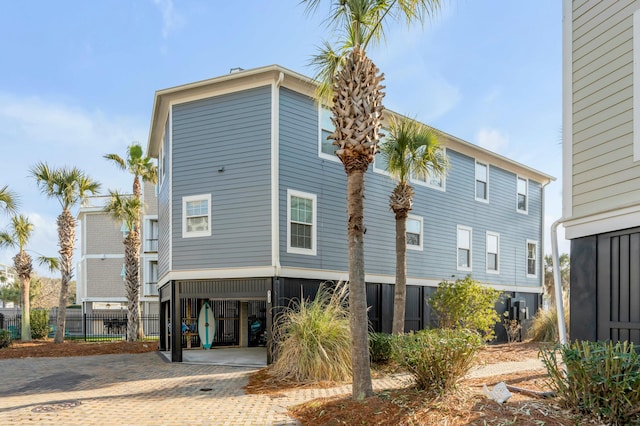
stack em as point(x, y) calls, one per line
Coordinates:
point(601, 166)
point(7, 276)
point(100, 270)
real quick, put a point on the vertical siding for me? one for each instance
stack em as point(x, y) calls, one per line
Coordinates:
point(604, 174)
point(302, 169)
point(231, 131)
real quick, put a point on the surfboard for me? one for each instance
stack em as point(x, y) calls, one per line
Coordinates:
point(206, 326)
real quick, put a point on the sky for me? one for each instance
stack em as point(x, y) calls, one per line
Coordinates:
point(77, 80)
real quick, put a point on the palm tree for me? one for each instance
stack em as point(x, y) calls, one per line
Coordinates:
point(139, 166)
point(70, 186)
point(411, 149)
point(127, 209)
point(8, 200)
point(19, 234)
point(354, 82)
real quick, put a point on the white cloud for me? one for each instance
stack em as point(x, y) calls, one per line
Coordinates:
point(493, 140)
point(34, 129)
point(171, 20)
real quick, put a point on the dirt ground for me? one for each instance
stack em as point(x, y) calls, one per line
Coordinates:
point(46, 348)
point(465, 406)
point(406, 406)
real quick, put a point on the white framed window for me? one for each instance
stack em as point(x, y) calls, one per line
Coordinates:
point(522, 196)
point(431, 179)
point(464, 247)
point(414, 232)
point(326, 148)
point(196, 216)
point(532, 259)
point(482, 182)
point(151, 282)
point(493, 252)
point(151, 236)
point(301, 222)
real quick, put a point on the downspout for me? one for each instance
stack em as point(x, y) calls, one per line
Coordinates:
point(275, 176)
point(562, 330)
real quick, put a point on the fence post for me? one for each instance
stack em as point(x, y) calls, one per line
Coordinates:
point(84, 325)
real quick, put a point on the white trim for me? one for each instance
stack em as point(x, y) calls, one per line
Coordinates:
point(475, 181)
point(470, 230)
point(317, 274)
point(418, 219)
point(526, 195)
point(628, 217)
point(526, 256)
point(275, 172)
point(195, 234)
point(636, 85)
point(486, 250)
point(103, 256)
point(322, 154)
point(567, 108)
point(314, 220)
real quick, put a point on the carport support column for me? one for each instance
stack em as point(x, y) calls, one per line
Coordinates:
point(244, 324)
point(176, 323)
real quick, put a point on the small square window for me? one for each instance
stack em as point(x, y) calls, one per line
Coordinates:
point(196, 216)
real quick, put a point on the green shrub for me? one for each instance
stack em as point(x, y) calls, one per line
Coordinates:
point(438, 358)
point(466, 304)
point(313, 338)
point(39, 323)
point(544, 327)
point(5, 339)
point(598, 379)
point(381, 347)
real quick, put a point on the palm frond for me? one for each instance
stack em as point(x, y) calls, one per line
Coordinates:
point(52, 263)
point(67, 185)
point(123, 207)
point(22, 230)
point(116, 159)
point(6, 240)
point(9, 199)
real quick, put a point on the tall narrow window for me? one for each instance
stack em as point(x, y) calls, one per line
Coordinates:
point(482, 182)
point(464, 248)
point(523, 195)
point(196, 216)
point(151, 287)
point(326, 148)
point(301, 218)
point(152, 236)
point(414, 232)
point(532, 258)
point(493, 252)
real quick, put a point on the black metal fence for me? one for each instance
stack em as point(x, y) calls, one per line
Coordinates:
point(94, 327)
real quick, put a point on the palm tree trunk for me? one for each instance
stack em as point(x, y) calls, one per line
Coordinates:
point(359, 323)
point(66, 241)
point(400, 296)
point(132, 268)
point(137, 192)
point(25, 332)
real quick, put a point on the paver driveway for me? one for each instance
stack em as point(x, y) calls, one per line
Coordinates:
point(132, 389)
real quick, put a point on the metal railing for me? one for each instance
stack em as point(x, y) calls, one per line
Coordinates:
point(89, 327)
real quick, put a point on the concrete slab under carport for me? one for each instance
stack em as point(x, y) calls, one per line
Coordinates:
point(236, 357)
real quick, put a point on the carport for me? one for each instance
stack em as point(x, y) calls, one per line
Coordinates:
point(182, 299)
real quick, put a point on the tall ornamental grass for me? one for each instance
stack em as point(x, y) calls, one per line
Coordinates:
point(437, 358)
point(313, 338)
point(598, 379)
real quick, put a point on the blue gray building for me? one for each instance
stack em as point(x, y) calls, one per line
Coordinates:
point(252, 211)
